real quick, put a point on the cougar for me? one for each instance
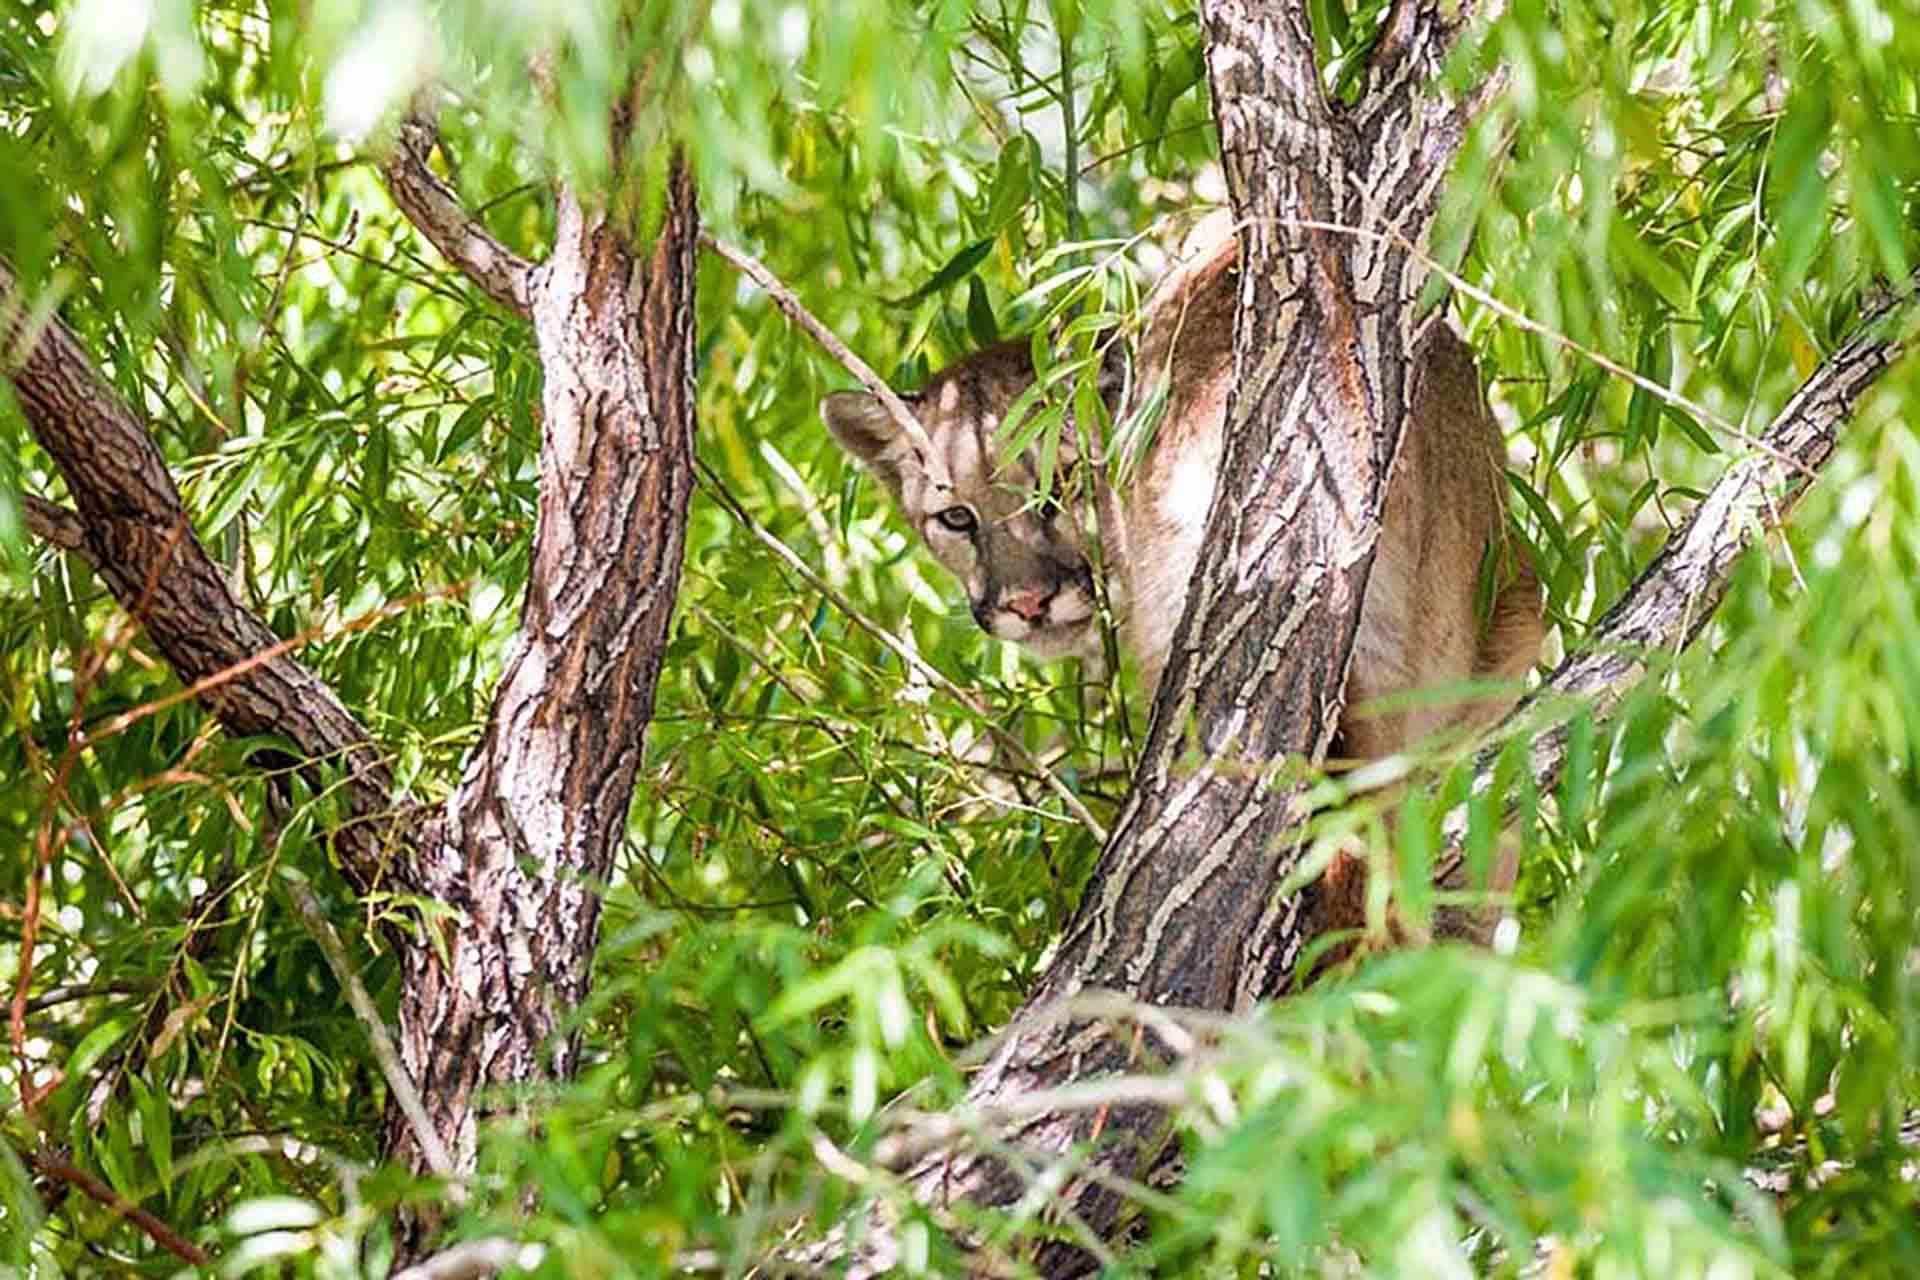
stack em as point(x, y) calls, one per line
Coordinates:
point(1025, 567)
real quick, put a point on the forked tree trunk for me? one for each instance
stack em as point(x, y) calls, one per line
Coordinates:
point(524, 844)
point(1182, 908)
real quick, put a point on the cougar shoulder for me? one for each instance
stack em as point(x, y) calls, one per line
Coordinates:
point(1443, 525)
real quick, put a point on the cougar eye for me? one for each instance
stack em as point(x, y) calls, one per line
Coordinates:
point(958, 519)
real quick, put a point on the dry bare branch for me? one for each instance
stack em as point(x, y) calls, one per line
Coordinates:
point(55, 525)
point(796, 311)
point(405, 1095)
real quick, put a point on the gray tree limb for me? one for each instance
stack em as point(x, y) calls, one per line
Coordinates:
point(435, 209)
point(1676, 595)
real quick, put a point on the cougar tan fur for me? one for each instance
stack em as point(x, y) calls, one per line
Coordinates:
point(1422, 624)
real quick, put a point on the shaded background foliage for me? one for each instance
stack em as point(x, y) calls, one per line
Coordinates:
point(834, 879)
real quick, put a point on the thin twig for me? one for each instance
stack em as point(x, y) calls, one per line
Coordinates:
point(796, 311)
point(162, 1234)
point(1070, 162)
point(1671, 600)
point(384, 1053)
point(88, 990)
point(1524, 321)
point(373, 617)
point(920, 665)
point(47, 842)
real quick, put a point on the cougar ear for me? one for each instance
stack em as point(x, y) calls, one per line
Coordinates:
point(866, 430)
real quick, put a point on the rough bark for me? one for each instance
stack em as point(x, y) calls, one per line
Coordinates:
point(435, 210)
point(1182, 907)
point(531, 831)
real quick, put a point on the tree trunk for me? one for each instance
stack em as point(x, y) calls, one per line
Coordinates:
point(1334, 203)
point(1182, 908)
point(530, 835)
point(526, 840)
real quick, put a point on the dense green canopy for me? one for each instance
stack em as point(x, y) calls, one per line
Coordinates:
point(1692, 1057)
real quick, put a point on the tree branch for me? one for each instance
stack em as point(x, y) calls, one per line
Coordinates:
point(1402, 110)
point(405, 1095)
point(1270, 45)
point(435, 210)
point(135, 530)
point(1417, 35)
point(797, 312)
point(527, 839)
point(1675, 596)
point(161, 1234)
point(54, 525)
point(1182, 901)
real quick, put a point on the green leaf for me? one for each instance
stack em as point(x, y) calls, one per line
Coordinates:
point(957, 268)
point(233, 499)
point(1692, 430)
point(1012, 188)
point(1655, 365)
point(156, 1128)
point(981, 326)
point(94, 1046)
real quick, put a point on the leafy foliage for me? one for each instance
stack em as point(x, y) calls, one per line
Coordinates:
point(1693, 1057)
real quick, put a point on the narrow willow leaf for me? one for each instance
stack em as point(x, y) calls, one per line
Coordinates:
point(957, 268)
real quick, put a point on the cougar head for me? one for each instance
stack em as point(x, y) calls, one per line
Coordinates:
point(1022, 560)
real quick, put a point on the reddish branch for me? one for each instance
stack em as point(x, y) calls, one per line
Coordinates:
point(162, 1234)
point(50, 835)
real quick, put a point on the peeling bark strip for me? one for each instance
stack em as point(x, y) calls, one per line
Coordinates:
point(531, 832)
point(133, 529)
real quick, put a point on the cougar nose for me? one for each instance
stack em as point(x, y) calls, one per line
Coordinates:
point(1030, 605)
